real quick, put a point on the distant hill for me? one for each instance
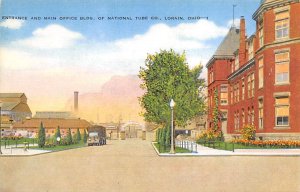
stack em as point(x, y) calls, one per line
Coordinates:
point(117, 99)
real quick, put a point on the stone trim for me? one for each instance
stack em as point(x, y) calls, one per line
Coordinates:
point(281, 94)
point(271, 5)
point(242, 69)
point(218, 57)
point(278, 43)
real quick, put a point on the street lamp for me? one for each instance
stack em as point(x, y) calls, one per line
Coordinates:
point(172, 150)
point(0, 127)
point(58, 139)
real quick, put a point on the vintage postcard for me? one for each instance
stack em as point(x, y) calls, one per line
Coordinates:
point(149, 95)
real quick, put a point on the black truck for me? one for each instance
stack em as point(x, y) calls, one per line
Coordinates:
point(96, 135)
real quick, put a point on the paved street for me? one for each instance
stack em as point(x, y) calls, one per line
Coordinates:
point(133, 165)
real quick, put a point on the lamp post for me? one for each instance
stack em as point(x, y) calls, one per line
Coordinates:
point(172, 104)
point(0, 127)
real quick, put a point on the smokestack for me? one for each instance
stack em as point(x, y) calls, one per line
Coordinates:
point(76, 101)
point(242, 48)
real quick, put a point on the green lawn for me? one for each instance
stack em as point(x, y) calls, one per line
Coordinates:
point(61, 147)
point(167, 149)
point(230, 146)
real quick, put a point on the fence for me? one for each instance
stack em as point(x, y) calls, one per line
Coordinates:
point(189, 145)
point(8, 144)
point(218, 145)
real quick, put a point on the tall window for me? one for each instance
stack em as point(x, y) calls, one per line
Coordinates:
point(260, 73)
point(231, 94)
point(282, 106)
point(252, 116)
point(236, 63)
point(250, 49)
point(236, 121)
point(224, 94)
point(261, 33)
point(282, 61)
point(282, 25)
point(243, 89)
point(243, 117)
point(251, 85)
point(260, 114)
point(236, 92)
point(249, 116)
point(235, 125)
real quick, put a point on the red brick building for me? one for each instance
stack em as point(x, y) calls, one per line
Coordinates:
point(258, 77)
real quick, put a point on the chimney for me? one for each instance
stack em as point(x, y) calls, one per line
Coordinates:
point(242, 48)
point(76, 101)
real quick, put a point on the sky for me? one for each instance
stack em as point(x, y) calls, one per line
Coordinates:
point(49, 59)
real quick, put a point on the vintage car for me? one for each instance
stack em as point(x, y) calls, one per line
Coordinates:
point(96, 136)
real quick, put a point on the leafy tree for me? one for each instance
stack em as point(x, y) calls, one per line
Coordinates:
point(41, 136)
point(69, 139)
point(84, 136)
point(57, 134)
point(166, 76)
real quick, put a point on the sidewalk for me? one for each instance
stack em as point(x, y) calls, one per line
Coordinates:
point(11, 151)
point(206, 151)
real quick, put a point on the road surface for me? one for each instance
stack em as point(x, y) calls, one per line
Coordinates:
point(132, 165)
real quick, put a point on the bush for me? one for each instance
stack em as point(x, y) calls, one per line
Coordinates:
point(41, 136)
point(248, 132)
point(210, 135)
point(84, 136)
point(78, 136)
point(69, 139)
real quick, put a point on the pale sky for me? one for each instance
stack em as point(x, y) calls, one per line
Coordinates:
point(49, 59)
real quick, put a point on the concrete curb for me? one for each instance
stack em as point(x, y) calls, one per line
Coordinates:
point(230, 154)
point(46, 152)
point(172, 155)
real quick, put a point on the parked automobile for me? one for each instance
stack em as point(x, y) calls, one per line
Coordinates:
point(96, 136)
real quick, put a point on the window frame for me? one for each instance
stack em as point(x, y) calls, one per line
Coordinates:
point(282, 28)
point(261, 113)
point(282, 106)
point(260, 68)
point(282, 62)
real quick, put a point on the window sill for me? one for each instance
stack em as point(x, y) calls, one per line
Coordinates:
point(260, 88)
point(282, 128)
point(279, 84)
point(282, 39)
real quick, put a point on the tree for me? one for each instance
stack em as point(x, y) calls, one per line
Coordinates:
point(69, 139)
point(84, 136)
point(78, 136)
point(41, 136)
point(166, 76)
point(216, 111)
point(57, 134)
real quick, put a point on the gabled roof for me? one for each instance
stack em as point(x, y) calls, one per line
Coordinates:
point(8, 106)
point(228, 46)
point(11, 95)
